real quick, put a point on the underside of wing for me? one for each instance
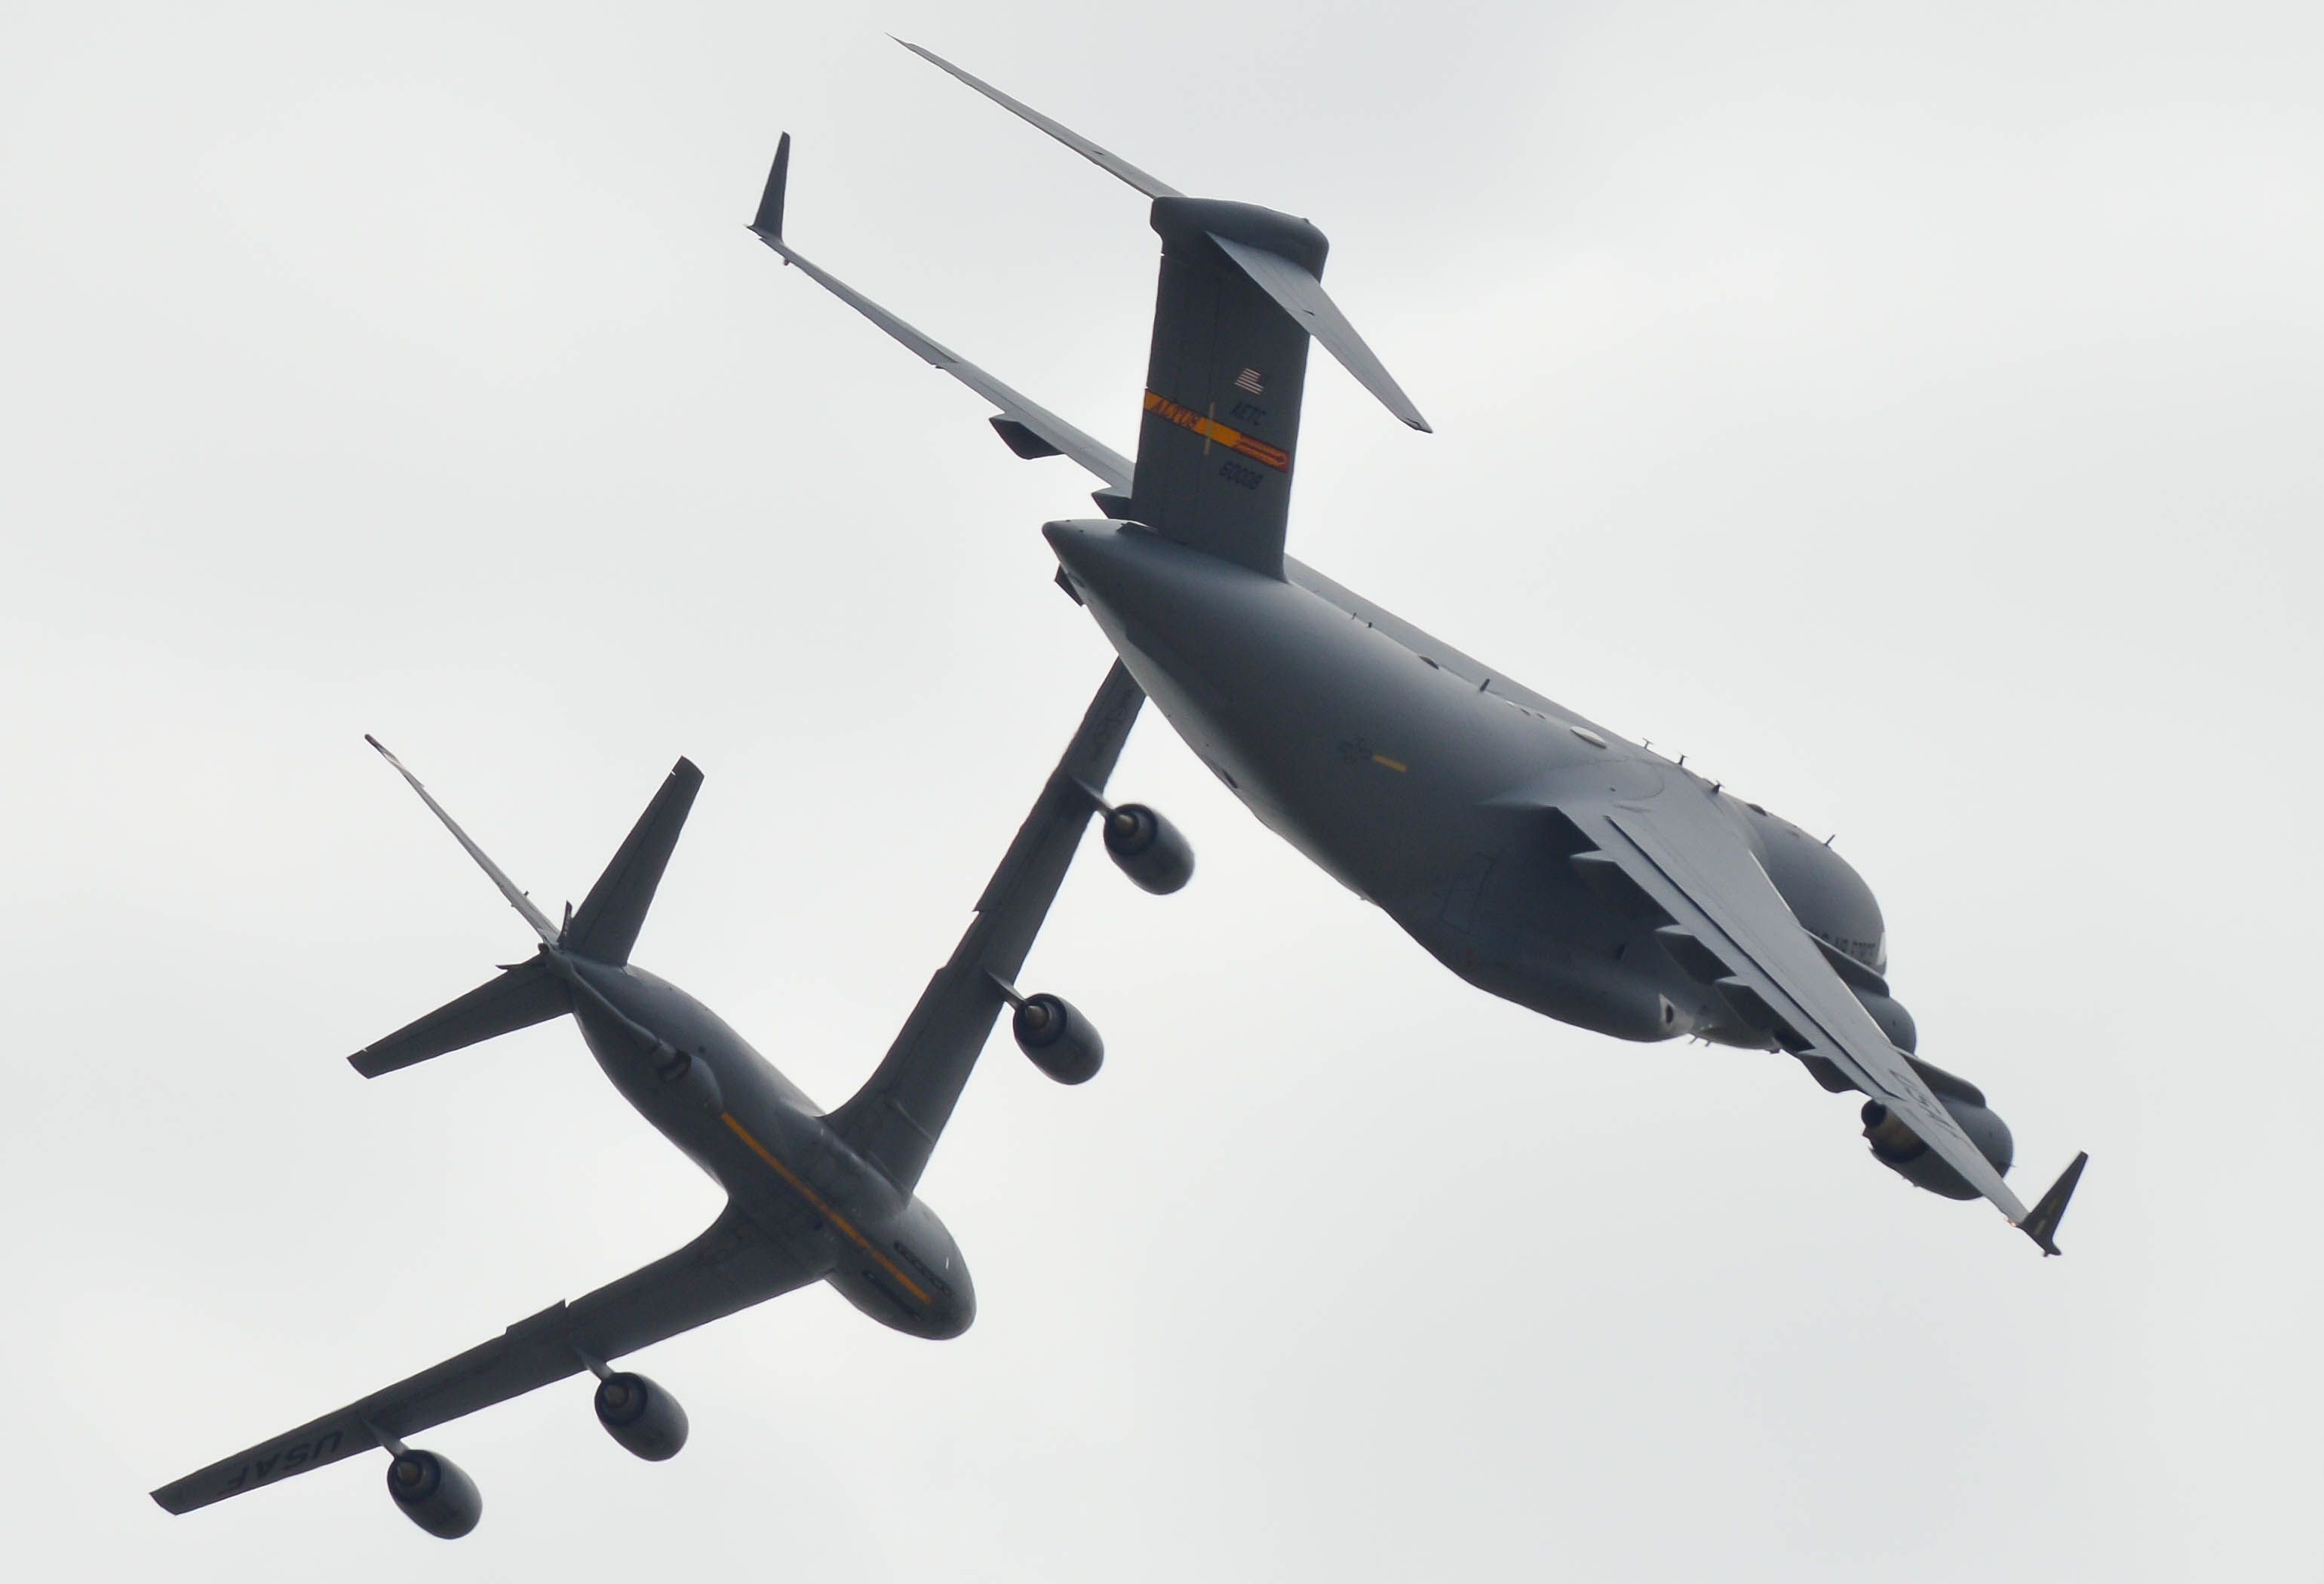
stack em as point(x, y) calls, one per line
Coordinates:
point(728, 1267)
point(895, 1119)
point(1683, 856)
point(1029, 429)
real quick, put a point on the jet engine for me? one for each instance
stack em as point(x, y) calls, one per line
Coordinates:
point(1149, 849)
point(1903, 1151)
point(644, 1418)
point(1060, 1041)
point(1889, 1013)
point(434, 1493)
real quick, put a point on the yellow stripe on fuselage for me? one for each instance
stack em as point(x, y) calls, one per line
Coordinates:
point(823, 1208)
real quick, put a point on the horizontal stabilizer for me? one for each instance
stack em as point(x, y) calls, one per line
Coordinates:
point(1301, 295)
point(1295, 290)
point(605, 925)
point(528, 993)
point(1113, 164)
point(508, 887)
point(2042, 1224)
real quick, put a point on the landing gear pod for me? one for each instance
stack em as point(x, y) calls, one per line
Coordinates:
point(1149, 849)
point(688, 1076)
point(1059, 1040)
point(644, 1418)
point(434, 1493)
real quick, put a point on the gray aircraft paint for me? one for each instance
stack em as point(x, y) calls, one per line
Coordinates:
point(1539, 855)
point(810, 1195)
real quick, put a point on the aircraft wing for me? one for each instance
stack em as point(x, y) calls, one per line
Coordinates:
point(1682, 855)
point(728, 1267)
point(895, 1119)
point(1029, 429)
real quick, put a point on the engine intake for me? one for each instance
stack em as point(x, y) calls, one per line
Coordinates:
point(645, 1419)
point(1905, 1153)
point(434, 1493)
point(1058, 1039)
point(1149, 849)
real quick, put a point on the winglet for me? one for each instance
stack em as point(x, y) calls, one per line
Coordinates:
point(769, 220)
point(2042, 1224)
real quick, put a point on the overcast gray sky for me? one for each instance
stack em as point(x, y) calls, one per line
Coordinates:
point(1909, 413)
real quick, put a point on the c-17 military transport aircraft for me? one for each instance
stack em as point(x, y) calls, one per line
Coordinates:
point(1535, 852)
point(810, 1196)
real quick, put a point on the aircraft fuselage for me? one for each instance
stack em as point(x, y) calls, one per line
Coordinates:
point(753, 1131)
point(1423, 790)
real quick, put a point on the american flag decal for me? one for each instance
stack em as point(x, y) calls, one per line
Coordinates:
point(1252, 380)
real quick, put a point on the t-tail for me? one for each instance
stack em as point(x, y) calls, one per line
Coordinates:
point(602, 929)
point(1240, 294)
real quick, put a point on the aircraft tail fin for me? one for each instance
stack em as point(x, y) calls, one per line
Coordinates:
point(1224, 378)
point(603, 928)
point(606, 926)
point(1240, 294)
point(529, 992)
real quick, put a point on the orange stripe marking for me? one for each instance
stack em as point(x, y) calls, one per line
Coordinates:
point(1235, 440)
point(823, 1207)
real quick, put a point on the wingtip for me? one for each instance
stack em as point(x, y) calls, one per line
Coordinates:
point(2041, 1223)
point(1420, 423)
point(768, 222)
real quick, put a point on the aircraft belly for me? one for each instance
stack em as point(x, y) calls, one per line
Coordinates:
point(1418, 788)
point(1354, 749)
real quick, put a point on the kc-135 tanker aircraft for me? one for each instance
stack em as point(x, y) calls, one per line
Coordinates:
point(810, 1196)
point(1538, 854)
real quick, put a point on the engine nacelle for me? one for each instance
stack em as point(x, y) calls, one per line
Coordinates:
point(434, 1494)
point(1895, 1021)
point(1149, 849)
point(644, 1418)
point(1060, 1041)
point(1904, 1152)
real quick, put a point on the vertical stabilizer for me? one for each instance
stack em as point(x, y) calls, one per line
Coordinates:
point(605, 925)
point(1223, 383)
